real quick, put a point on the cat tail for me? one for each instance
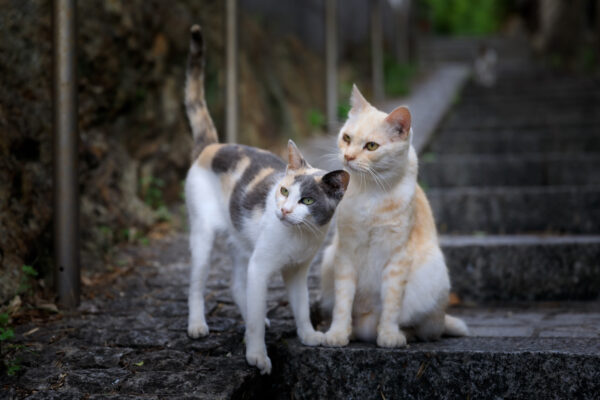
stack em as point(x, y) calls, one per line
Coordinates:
point(203, 129)
point(454, 326)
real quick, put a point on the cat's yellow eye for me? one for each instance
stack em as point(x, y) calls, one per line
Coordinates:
point(371, 146)
point(284, 191)
point(307, 200)
point(346, 138)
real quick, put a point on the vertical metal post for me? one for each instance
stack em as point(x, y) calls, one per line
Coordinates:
point(402, 29)
point(66, 202)
point(377, 51)
point(231, 85)
point(331, 64)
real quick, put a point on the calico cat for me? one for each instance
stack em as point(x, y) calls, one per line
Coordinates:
point(384, 275)
point(275, 215)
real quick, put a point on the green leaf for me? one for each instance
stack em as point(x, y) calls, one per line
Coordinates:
point(13, 369)
point(29, 270)
point(4, 318)
point(139, 364)
point(6, 334)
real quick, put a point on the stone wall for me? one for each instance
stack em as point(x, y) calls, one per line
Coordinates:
point(134, 140)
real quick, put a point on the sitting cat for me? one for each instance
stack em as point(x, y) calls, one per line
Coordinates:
point(384, 274)
point(276, 217)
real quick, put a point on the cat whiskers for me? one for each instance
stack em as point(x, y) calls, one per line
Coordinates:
point(311, 227)
point(378, 179)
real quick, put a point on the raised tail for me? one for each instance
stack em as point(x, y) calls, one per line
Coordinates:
point(454, 326)
point(203, 129)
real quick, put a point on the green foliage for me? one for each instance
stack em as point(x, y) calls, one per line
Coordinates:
point(316, 118)
point(343, 110)
point(26, 283)
point(29, 271)
point(466, 17)
point(152, 191)
point(397, 77)
point(6, 332)
point(11, 365)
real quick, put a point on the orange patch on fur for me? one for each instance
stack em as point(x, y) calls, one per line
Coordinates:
point(205, 158)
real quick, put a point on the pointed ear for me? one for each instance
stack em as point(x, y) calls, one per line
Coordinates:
point(295, 159)
point(399, 120)
point(357, 101)
point(336, 183)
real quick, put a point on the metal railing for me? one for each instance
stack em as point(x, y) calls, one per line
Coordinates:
point(66, 193)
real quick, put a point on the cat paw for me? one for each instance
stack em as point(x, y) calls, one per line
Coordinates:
point(197, 329)
point(391, 339)
point(336, 339)
point(260, 360)
point(312, 338)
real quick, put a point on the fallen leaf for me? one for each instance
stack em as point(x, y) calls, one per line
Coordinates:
point(31, 332)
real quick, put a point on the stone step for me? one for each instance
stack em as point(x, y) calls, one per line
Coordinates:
point(509, 170)
point(488, 120)
point(557, 99)
point(574, 209)
point(574, 139)
point(477, 108)
point(551, 352)
point(549, 85)
point(523, 267)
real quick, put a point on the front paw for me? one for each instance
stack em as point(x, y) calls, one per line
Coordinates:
point(197, 329)
point(260, 360)
point(391, 339)
point(312, 338)
point(336, 339)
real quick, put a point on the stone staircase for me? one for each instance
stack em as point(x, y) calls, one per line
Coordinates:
point(513, 177)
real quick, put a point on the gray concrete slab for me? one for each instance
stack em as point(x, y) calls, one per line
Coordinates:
point(523, 267)
point(509, 170)
point(492, 210)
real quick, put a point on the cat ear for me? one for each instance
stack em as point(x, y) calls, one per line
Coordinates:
point(399, 120)
point(357, 101)
point(336, 183)
point(295, 159)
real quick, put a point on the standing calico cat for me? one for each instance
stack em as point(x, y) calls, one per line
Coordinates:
point(384, 271)
point(276, 217)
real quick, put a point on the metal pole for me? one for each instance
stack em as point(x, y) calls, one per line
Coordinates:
point(377, 51)
point(231, 53)
point(66, 203)
point(331, 64)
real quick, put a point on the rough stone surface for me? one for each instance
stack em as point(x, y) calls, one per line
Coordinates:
point(552, 139)
point(493, 210)
point(510, 170)
point(129, 341)
point(521, 267)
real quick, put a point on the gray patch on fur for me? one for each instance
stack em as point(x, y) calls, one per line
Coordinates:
point(325, 201)
point(241, 204)
point(226, 158)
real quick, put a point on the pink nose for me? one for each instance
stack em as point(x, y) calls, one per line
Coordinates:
point(349, 158)
point(285, 211)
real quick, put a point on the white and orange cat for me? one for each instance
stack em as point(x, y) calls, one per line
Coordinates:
point(384, 276)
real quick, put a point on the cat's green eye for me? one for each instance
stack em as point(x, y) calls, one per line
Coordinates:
point(284, 191)
point(307, 200)
point(346, 138)
point(371, 146)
